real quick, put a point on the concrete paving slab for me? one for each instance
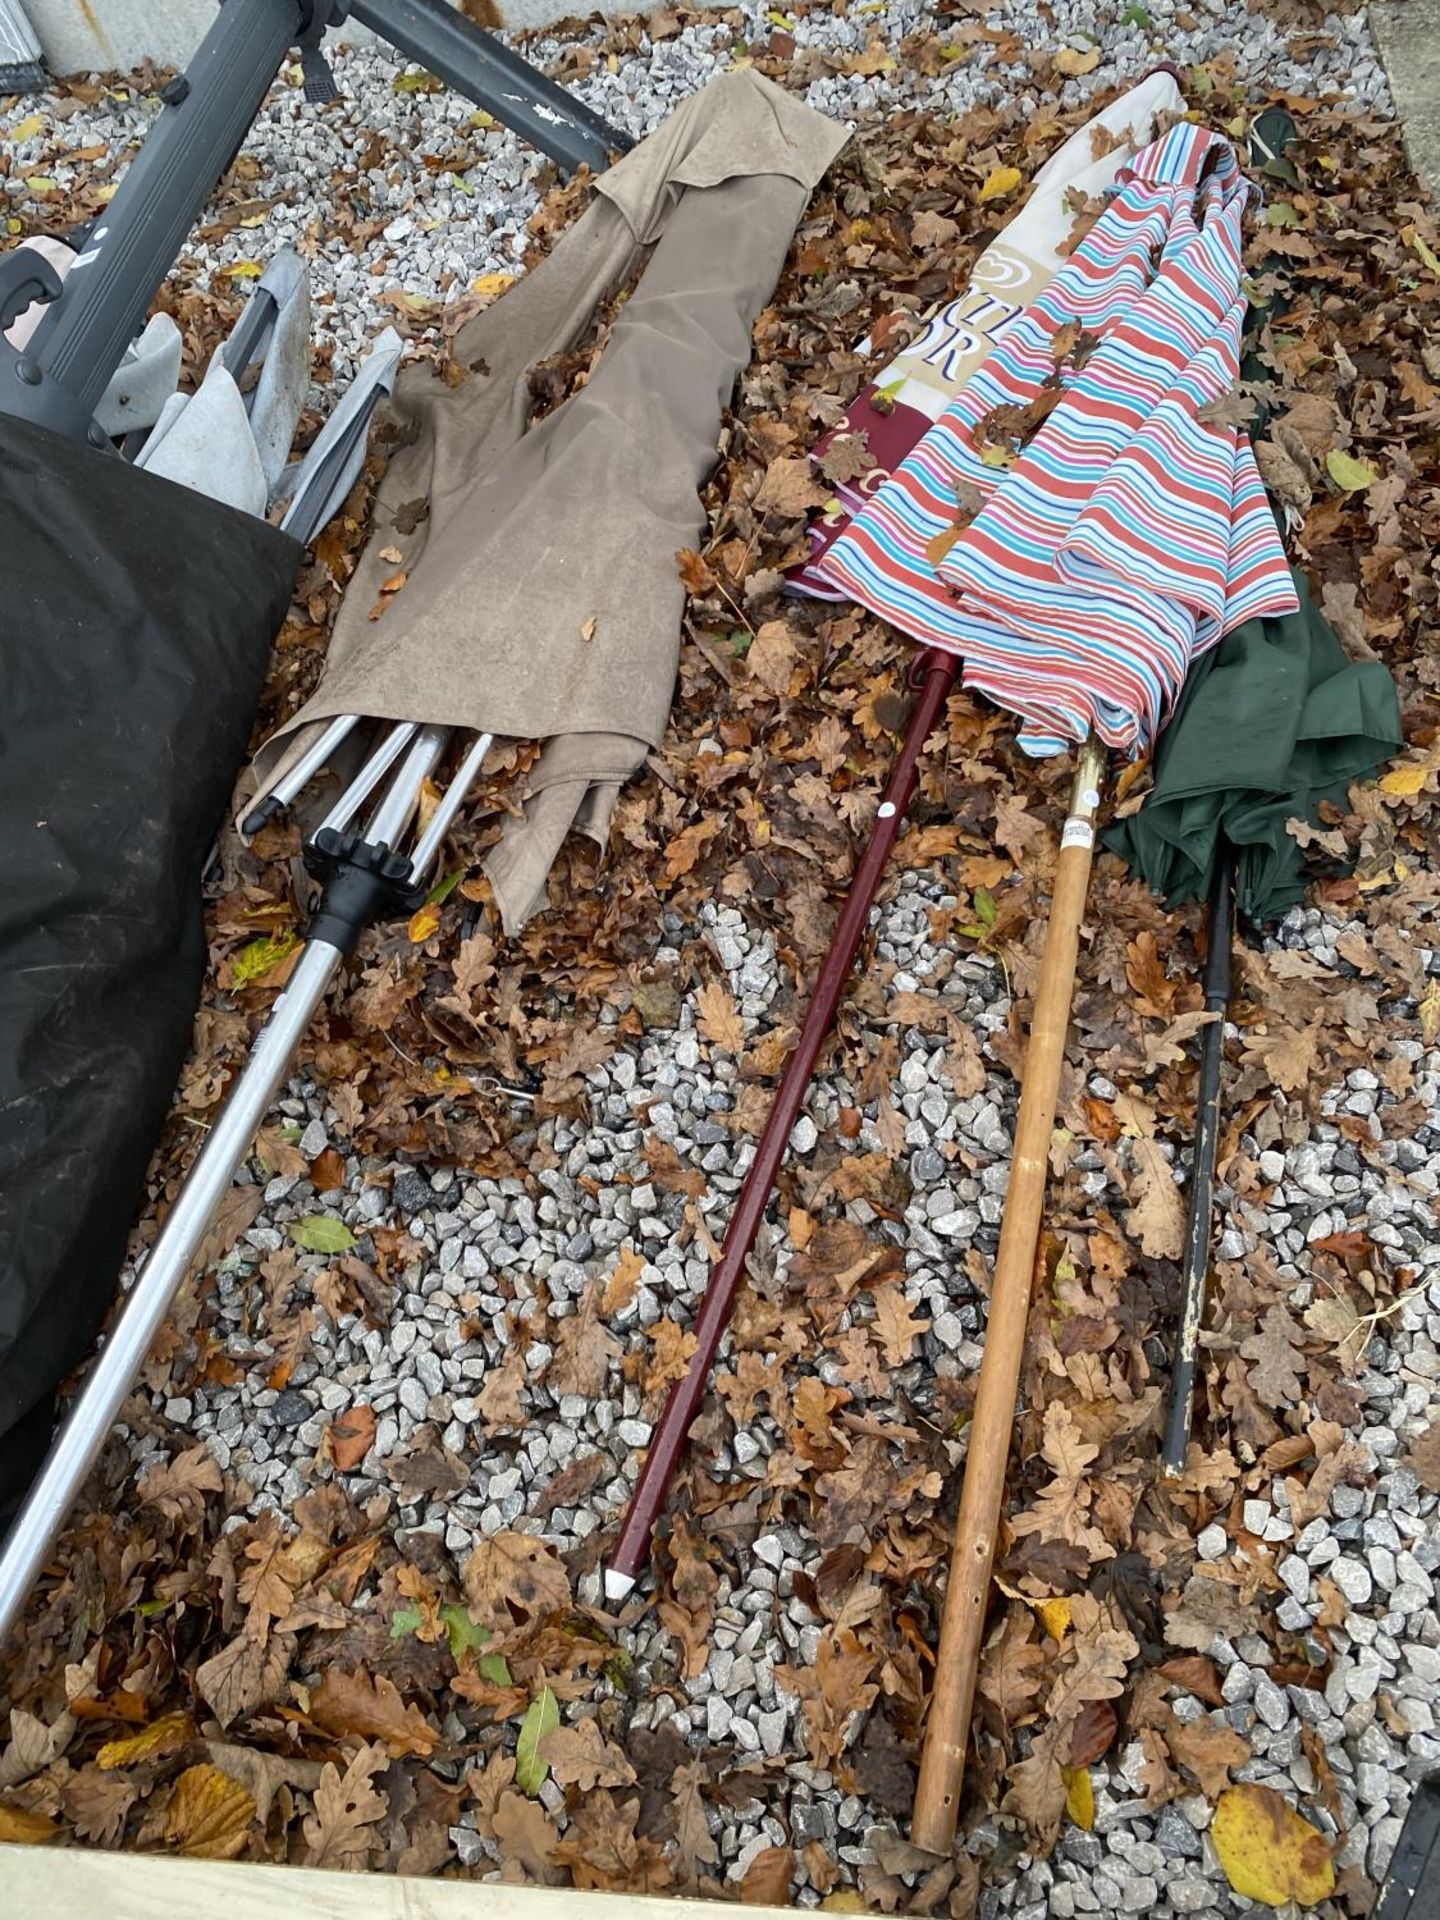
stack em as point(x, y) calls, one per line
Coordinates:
point(1407, 32)
point(85, 36)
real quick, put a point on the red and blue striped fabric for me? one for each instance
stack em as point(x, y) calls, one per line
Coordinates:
point(1131, 532)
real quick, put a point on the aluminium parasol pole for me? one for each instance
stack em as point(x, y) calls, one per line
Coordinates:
point(934, 672)
point(363, 877)
point(957, 1661)
point(1199, 1220)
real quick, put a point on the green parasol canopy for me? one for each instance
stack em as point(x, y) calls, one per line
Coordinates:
point(1273, 721)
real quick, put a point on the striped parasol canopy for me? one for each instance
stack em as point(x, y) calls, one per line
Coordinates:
point(1084, 520)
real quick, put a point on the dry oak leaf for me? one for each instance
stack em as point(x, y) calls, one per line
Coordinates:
point(1424, 1457)
point(513, 1570)
point(789, 488)
point(246, 1674)
point(766, 1882)
point(895, 1325)
point(1275, 1355)
point(623, 1280)
point(178, 1487)
point(527, 1838)
point(1208, 1749)
point(33, 1745)
point(582, 1757)
point(929, 229)
point(720, 1020)
point(1011, 1666)
point(605, 1854)
point(349, 1438)
point(585, 1348)
point(1062, 1511)
point(674, 1348)
point(1097, 1656)
point(1268, 1851)
point(837, 1686)
point(261, 1774)
point(1157, 1219)
point(772, 656)
point(694, 1844)
point(848, 455)
point(348, 1703)
point(500, 1398)
point(1288, 1055)
point(1037, 1786)
point(338, 1832)
point(97, 1804)
point(696, 575)
point(685, 848)
point(208, 1815)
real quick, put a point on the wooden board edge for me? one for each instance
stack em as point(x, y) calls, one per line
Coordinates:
point(56, 1883)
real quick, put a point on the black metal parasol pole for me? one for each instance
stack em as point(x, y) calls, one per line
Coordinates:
point(1195, 1270)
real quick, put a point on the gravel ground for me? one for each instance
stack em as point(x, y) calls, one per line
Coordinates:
point(479, 1243)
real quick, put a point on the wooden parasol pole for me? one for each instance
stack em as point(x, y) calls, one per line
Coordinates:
point(947, 1731)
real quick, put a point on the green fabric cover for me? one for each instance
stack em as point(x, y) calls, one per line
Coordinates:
point(1273, 721)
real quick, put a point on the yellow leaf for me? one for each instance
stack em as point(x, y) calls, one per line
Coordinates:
point(1054, 1617)
point(492, 283)
point(257, 959)
point(1348, 473)
point(848, 1900)
point(242, 270)
point(1079, 1796)
point(27, 128)
point(1406, 781)
point(1000, 181)
point(424, 922)
point(255, 220)
point(1268, 1851)
point(209, 1815)
point(1430, 1014)
point(1427, 254)
point(1071, 62)
point(21, 1829)
point(41, 183)
point(166, 1735)
point(483, 120)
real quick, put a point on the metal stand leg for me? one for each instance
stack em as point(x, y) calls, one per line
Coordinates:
point(108, 292)
point(362, 878)
point(489, 73)
point(208, 111)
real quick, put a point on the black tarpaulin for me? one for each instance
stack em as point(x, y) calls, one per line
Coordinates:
point(135, 621)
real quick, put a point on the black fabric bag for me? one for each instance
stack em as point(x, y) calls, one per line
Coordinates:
point(135, 622)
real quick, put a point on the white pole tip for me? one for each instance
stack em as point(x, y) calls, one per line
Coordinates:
point(618, 1586)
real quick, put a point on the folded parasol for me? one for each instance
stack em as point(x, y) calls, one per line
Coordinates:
point(1275, 722)
point(901, 402)
point(542, 599)
point(1078, 526)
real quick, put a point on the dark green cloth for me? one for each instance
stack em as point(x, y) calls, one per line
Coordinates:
point(1273, 721)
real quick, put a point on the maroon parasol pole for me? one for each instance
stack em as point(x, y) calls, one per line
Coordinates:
point(935, 673)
